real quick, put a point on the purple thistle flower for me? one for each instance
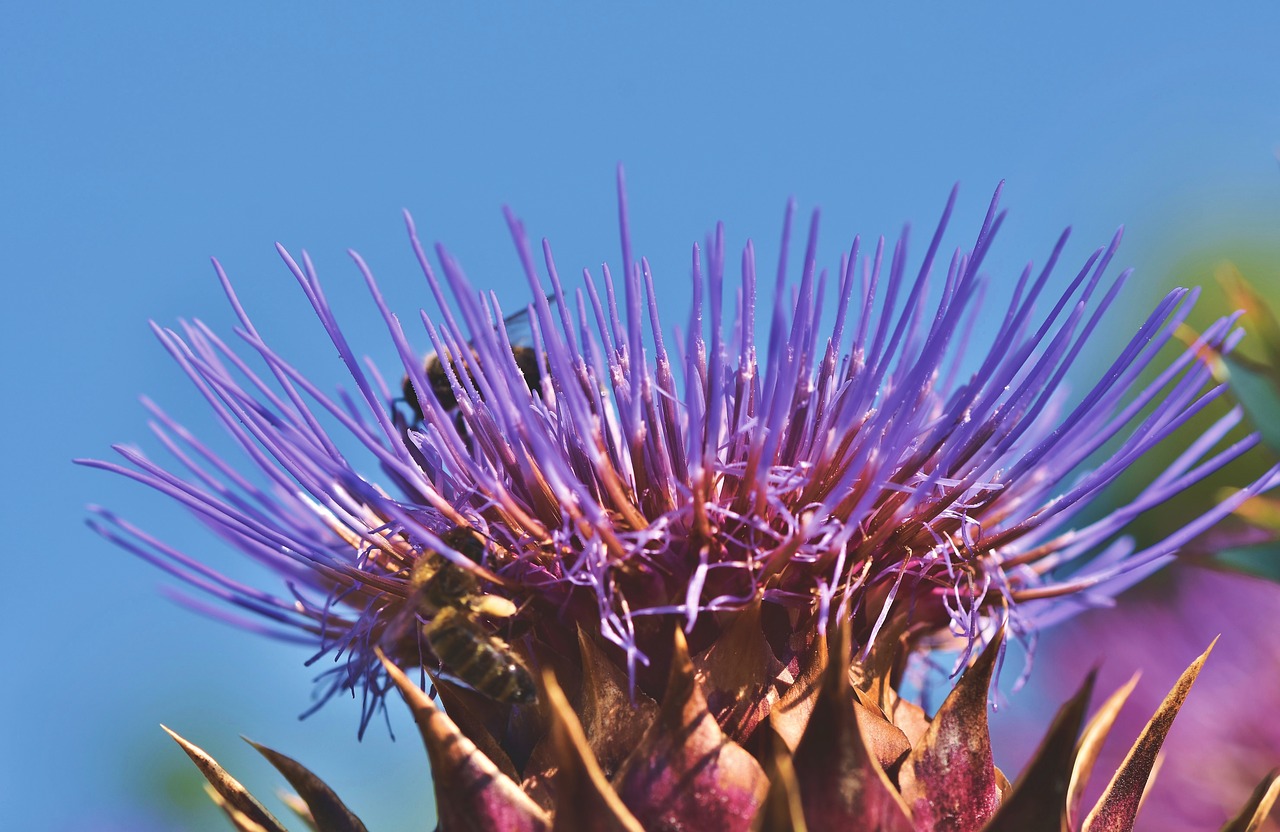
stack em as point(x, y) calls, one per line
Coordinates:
point(852, 472)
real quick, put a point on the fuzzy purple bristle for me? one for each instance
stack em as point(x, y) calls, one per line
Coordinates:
point(852, 462)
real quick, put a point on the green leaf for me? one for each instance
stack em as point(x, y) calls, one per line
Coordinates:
point(1259, 561)
point(1257, 388)
point(1262, 321)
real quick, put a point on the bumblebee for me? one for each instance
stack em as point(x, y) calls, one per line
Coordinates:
point(519, 331)
point(448, 596)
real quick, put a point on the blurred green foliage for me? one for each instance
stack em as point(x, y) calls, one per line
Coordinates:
point(1233, 274)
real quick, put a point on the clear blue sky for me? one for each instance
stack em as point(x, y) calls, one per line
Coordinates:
point(136, 140)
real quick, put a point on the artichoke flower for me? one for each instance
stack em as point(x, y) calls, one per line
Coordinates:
point(664, 589)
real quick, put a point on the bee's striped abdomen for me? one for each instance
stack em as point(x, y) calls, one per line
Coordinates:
point(480, 660)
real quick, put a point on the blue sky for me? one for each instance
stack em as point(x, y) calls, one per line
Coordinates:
point(140, 139)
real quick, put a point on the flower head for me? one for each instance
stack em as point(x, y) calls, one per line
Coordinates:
point(829, 464)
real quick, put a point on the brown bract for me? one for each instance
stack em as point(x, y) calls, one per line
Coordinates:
point(949, 779)
point(740, 675)
point(843, 784)
point(685, 767)
point(834, 749)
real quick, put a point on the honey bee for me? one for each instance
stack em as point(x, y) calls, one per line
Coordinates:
point(520, 333)
point(449, 597)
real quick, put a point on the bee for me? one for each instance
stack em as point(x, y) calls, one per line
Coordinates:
point(519, 331)
point(448, 596)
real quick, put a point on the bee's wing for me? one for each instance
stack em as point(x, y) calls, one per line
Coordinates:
point(519, 326)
